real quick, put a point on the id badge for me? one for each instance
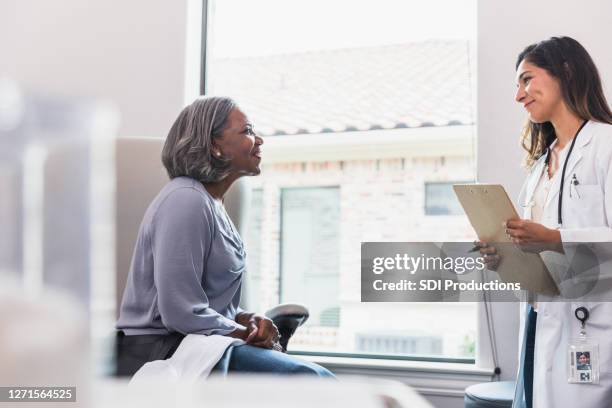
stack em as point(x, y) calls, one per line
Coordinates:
point(583, 361)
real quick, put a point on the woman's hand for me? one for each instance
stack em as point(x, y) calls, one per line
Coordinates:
point(261, 331)
point(532, 236)
point(489, 254)
point(266, 334)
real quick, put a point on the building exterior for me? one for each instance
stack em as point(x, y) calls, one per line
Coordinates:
point(360, 145)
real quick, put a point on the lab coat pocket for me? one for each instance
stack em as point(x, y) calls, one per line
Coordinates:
point(586, 205)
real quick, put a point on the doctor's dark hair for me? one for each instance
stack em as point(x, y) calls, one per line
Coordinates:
point(188, 148)
point(567, 61)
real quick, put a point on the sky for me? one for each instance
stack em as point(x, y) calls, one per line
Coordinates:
point(263, 27)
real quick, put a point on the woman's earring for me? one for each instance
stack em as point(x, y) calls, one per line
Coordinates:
point(218, 154)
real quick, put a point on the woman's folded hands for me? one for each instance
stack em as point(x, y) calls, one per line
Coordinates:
point(260, 331)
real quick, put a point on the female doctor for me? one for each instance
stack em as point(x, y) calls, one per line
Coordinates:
point(567, 199)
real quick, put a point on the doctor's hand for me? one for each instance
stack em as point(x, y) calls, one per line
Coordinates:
point(489, 254)
point(532, 236)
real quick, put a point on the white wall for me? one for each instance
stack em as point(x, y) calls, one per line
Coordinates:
point(504, 29)
point(131, 52)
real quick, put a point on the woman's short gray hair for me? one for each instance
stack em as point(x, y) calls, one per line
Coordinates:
point(188, 147)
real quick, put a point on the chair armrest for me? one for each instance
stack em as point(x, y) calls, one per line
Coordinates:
point(287, 317)
point(289, 309)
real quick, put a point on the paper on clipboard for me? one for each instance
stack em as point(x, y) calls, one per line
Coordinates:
point(487, 207)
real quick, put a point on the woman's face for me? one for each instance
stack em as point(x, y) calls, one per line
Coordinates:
point(583, 359)
point(538, 92)
point(240, 144)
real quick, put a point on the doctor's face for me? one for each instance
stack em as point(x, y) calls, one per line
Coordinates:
point(538, 92)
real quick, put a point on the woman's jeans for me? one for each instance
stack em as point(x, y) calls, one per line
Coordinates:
point(250, 359)
point(132, 352)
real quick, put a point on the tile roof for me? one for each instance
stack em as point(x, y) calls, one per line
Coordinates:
point(410, 85)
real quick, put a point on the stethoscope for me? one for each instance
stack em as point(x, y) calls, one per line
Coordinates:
point(547, 161)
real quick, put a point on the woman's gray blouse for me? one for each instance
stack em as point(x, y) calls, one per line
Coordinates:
point(187, 267)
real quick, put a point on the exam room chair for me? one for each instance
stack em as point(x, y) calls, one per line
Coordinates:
point(140, 175)
point(495, 394)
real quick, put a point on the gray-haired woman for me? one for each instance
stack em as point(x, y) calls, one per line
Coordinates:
point(189, 260)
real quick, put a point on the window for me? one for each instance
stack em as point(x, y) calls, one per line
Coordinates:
point(310, 249)
point(252, 296)
point(440, 199)
point(361, 106)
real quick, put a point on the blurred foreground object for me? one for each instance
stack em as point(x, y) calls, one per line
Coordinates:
point(43, 343)
point(51, 154)
point(265, 392)
point(57, 200)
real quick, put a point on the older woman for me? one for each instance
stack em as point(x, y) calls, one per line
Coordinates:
point(189, 261)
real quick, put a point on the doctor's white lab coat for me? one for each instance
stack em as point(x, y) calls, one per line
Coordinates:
point(587, 218)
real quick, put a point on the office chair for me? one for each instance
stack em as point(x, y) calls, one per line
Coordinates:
point(140, 175)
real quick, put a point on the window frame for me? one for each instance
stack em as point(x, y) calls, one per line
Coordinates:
point(204, 45)
point(427, 183)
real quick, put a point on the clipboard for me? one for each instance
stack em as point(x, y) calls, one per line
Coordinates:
point(487, 207)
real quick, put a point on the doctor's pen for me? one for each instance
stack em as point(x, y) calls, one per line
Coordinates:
point(477, 246)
